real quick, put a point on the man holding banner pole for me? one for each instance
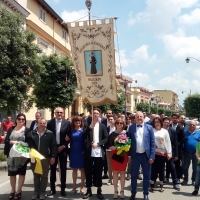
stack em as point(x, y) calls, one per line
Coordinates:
point(95, 137)
point(44, 142)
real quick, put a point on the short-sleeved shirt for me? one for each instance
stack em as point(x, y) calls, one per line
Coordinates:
point(198, 149)
point(6, 125)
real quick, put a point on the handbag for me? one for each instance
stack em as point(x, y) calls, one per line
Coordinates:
point(118, 158)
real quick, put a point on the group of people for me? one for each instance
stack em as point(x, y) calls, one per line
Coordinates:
point(156, 142)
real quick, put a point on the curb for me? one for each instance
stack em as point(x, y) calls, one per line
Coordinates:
point(3, 165)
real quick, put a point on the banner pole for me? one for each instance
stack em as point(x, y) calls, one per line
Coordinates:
point(92, 123)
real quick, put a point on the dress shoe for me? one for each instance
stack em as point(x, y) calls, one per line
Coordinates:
point(176, 187)
point(105, 176)
point(42, 195)
point(146, 197)
point(184, 182)
point(87, 194)
point(99, 194)
point(132, 197)
point(51, 193)
point(63, 193)
point(195, 192)
point(139, 177)
point(34, 196)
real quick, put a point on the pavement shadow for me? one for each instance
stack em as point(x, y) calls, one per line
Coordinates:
point(183, 193)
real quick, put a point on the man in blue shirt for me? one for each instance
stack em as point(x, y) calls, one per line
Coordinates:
point(192, 136)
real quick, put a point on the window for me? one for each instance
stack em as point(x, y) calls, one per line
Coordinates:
point(42, 15)
point(64, 34)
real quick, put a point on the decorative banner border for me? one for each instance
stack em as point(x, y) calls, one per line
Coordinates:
point(92, 48)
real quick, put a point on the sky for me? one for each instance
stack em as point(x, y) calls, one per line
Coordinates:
point(153, 39)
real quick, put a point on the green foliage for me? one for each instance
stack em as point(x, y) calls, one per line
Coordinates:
point(115, 108)
point(57, 84)
point(192, 105)
point(19, 63)
point(154, 109)
point(144, 107)
point(161, 110)
point(2, 157)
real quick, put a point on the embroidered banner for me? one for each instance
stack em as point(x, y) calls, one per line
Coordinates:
point(92, 48)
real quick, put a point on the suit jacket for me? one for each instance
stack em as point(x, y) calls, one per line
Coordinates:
point(180, 138)
point(88, 136)
point(104, 122)
point(64, 130)
point(174, 142)
point(148, 137)
point(32, 125)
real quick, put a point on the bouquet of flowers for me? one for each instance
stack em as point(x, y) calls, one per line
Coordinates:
point(122, 143)
point(20, 150)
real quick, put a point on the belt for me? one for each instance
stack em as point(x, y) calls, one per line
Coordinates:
point(191, 152)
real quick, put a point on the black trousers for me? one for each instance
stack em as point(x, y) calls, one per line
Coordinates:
point(63, 162)
point(96, 164)
point(105, 165)
point(179, 169)
point(170, 168)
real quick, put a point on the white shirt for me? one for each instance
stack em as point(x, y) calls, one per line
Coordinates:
point(58, 125)
point(174, 127)
point(140, 139)
point(35, 125)
point(96, 152)
point(111, 130)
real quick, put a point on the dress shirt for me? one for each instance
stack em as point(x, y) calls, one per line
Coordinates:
point(174, 127)
point(96, 152)
point(139, 139)
point(111, 130)
point(58, 125)
point(35, 125)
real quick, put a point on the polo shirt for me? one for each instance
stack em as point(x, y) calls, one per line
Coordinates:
point(191, 141)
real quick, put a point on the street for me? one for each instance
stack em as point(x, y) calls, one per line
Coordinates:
point(169, 192)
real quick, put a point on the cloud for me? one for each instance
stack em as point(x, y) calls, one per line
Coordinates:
point(142, 54)
point(179, 46)
point(159, 15)
point(156, 71)
point(142, 78)
point(71, 16)
point(121, 59)
point(190, 19)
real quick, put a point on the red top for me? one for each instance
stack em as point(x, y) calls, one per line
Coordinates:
point(7, 125)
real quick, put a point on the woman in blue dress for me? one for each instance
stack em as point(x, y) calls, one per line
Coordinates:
point(76, 152)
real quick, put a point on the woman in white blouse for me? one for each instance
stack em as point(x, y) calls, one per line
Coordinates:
point(163, 150)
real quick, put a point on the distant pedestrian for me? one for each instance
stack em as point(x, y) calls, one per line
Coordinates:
point(34, 123)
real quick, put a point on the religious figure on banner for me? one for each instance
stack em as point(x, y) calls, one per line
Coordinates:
point(93, 65)
point(93, 62)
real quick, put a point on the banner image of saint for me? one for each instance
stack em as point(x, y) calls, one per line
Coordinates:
point(93, 63)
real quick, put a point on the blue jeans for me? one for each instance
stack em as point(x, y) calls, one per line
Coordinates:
point(197, 180)
point(187, 158)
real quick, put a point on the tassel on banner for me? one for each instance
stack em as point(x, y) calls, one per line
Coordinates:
point(35, 155)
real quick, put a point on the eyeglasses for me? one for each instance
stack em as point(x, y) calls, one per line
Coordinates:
point(59, 112)
point(119, 123)
point(109, 113)
point(21, 119)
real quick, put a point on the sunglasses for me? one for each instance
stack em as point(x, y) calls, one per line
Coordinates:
point(118, 123)
point(59, 112)
point(21, 119)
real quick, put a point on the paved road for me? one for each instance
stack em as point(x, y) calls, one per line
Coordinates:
point(168, 194)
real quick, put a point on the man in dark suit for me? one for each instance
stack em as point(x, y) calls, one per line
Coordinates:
point(142, 152)
point(34, 123)
point(180, 138)
point(95, 137)
point(170, 166)
point(61, 129)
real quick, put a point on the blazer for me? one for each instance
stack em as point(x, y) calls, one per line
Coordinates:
point(65, 130)
point(88, 136)
point(105, 121)
point(32, 125)
point(174, 143)
point(148, 137)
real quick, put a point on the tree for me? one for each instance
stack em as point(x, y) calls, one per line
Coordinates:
point(154, 109)
point(144, 107)
point(192, 105)
point(115, 108)
point(57, 84)
point(19, 63)
point(161, 110)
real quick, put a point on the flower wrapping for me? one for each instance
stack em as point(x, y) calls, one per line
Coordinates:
point(20, 150)
point(122, 143)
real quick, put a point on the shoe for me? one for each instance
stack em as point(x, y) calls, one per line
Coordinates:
point(132, 197)
point(178, 181)
point(72, 191)
point(87, 194)
point(184, 183)
point(109, 182)
point(105, 176)
point(115, 196)
point(121, 195)
point(151, 188)
point(128, 177)
point(11, 196)
point(139, 177)
point(99, 194)
point(18, 196)
point(63, 193)
point(52, 192)
point(146, 197)
point(42, 195)
point(176, 187)
point(195, 192)
point(161, 188)
point(193, 183)
point(34, 196)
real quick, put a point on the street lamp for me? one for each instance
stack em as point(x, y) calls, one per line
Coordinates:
point(88, 4)
point(188, 59)
point(187, 92)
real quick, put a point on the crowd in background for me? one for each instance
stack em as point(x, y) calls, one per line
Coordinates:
point(158, 142)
